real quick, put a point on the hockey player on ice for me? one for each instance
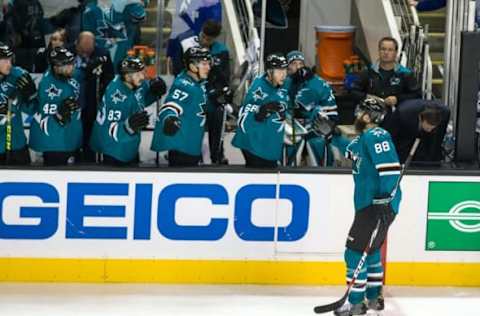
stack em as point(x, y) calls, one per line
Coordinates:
point(376, 170)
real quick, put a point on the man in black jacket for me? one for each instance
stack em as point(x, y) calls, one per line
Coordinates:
point(386, 80)
point(98, 71)
point(425, 119)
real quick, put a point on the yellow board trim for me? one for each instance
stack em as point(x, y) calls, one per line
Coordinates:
point(226, 272)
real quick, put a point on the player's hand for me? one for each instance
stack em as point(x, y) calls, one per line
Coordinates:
point(412, 3)
point(136, 122)
point(171, 125)
point(302, 74)
point(323, 126)
point(383, 209)
point(223, 96)
point(95, 66)
point(26, 87)
point(391, 101)
point(64, 113)
point(267, 109)
point(158, 87)
point(3, 107)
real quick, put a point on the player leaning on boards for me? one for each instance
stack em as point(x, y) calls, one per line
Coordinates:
point(122, 116)
point(17, 91)
point(376, 170)
point(261, 120)
point(181, 120)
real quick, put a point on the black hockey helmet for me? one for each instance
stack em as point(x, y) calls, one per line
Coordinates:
point(5, 51)
point(131, 65)
point(276, 61)
point(60, 56)
point(196, 54)
point(374, 108)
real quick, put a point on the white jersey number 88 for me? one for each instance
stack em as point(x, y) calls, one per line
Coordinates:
point(382, 147)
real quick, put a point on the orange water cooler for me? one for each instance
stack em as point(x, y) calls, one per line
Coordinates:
point(334, 45)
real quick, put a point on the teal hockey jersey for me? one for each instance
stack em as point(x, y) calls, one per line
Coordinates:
point(375, 168)
point(119, 102)
point(315, 95)
point(46, 134)
point(114, 26)
point(186, 100)
point(8, 94)
point(263, 139)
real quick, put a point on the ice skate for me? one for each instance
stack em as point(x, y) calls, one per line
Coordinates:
point(351, 309)
point(376, 306)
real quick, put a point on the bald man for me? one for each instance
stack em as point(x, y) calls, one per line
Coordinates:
point(98, 71)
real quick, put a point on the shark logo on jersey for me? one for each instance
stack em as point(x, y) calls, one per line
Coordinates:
point(186, 82)
point(139, 98)
point(76, 86)
point(4, 86)
point(259, 94)
point(117, 97)
point(352, 154)
point(394, 81)
point(53, 91)
point(379, 132)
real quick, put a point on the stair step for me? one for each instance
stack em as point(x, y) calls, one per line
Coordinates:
point(438, 62)
point(436, 41)
point(432, 15)
point(437, 81)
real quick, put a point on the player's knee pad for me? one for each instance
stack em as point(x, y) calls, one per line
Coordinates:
point(362, 228)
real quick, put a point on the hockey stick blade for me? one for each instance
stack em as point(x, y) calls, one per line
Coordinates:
point(320, 309)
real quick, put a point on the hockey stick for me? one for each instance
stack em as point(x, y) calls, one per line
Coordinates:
point(335, 305)
point(218, 153)
point(8, 133)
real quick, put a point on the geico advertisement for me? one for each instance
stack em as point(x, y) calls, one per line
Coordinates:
point(172, 215)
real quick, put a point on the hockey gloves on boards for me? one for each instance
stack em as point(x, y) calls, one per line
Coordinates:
point(171, 125)
point(64, 113)
point(26, 87)
point(136, 122)
point(267, 109)
point(158, 87)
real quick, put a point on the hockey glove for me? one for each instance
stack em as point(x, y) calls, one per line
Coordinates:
point(267, 109)
point(3, 107)
point(225, 96)
point(301, 75)
point(64, 113)
point(95, 65)
point(323, 126)
point(171, 125)
point(26, 87)
point(383, 209)
point(158, 87)
point(136, 122)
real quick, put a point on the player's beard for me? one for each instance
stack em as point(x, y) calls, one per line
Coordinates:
point(360, 125)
